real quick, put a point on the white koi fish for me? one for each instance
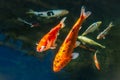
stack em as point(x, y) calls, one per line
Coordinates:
point(102, 34)
point(92, 27)
point(50, 13)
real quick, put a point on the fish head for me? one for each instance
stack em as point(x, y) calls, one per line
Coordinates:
point(60, 62)
point(61, 12)
point(40, 48)
point(101, 36)
point(98, 37)
point(99, 23)
point(80, 38)
point(64, 12)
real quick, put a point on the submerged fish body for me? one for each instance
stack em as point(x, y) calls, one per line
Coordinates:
point(49, 13)
point(48, 40)
point(96, 60)
point(21, 20)
point(28, 23)
point(92, 28)
point(102, 34)
point(89, 41)
point(64, 55)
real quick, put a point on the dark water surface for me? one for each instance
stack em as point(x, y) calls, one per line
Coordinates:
point(20, 61)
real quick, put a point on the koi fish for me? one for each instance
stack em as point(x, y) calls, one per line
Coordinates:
point(50, 13)
point(92, 27)
point(31, 25)
point(64, 54)
point(102, 34)
point(96, 60)
point(48, 40)
point(89, 41)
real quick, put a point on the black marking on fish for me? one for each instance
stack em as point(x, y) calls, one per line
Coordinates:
point(63, 50)
point(57, 61)
point(40, 14)
point(50, 13)
point(73, 30)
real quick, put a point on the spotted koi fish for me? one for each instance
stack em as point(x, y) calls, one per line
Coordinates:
point(48, 40)
point(64, 55)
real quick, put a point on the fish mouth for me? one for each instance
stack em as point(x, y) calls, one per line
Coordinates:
point(65, 12)
point(98, 37)
point(99, 22)
point(41, 49)
point(56, 69)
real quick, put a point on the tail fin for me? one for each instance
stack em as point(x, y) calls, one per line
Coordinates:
point(30, 11)
point(84, 14)
point(62, 22)
point(111, 24)
point(102, 46)
point(19, 19)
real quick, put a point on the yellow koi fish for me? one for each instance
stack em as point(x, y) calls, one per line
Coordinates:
point(89, 41)
point(48, 40)
point(64, 55)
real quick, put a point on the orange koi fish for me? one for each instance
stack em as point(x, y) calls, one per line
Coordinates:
point(48, 40)
point(96, 60)
point(64, 55)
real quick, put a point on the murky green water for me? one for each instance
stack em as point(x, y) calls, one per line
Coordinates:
point(19, 36)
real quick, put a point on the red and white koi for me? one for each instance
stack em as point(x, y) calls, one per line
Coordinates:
point(48, 40)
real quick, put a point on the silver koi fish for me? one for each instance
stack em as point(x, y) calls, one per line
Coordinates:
point(92, 27)
point(102, 34)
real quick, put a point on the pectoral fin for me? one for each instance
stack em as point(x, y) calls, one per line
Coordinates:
point(83, 43)
point(75, 55)
point(104, 37)
point(77, 44)
point(53, 46)
point(36, 43)
point(58, 33)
